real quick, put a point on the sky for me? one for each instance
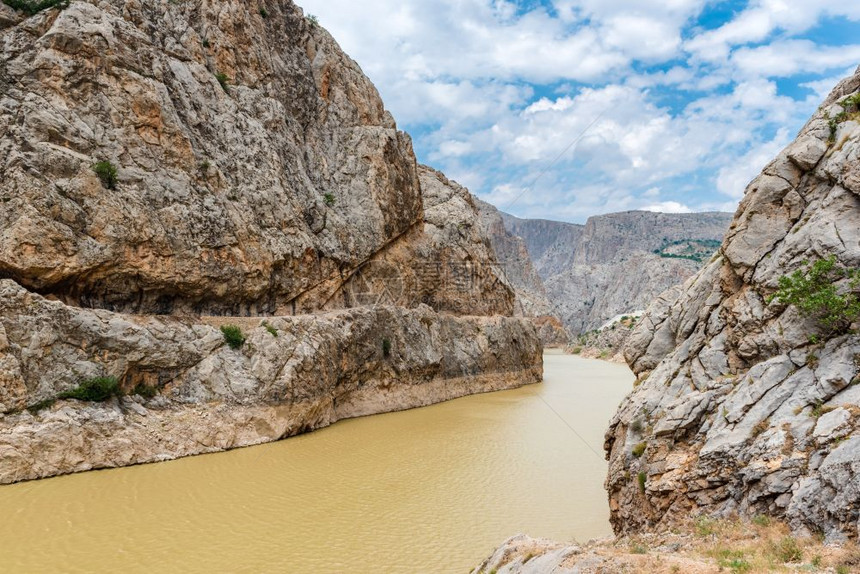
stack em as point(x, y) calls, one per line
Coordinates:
point(563, 109)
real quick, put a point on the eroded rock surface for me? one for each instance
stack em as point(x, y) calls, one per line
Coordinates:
point(586, 270)
point(744, 405)
point(518, 270)
point(261, 196)
point(259, 178)
point(301, 373)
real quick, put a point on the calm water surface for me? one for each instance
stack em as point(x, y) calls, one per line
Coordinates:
point(427, 490)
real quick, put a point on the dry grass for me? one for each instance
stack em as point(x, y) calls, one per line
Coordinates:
point(706, 546)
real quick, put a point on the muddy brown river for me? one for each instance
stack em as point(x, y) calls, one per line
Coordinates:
point(421, 491)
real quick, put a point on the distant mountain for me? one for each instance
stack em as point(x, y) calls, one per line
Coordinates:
point(614, 264)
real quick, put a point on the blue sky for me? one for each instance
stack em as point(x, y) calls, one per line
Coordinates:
point(564, 109)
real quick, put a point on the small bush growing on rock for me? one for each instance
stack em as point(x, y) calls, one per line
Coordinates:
point(813, 290)
point(145, 391)
point(107, 173)
point(97, 389)
point(41, 405)
point(313, 19)
point(386, 348)
point(328, 199)
point(224, 80)
point(761, 520)
point(641, 478)
point(264, 13)
point(272, 331)
point(31, 7)
point(639, 449)
point(233, 336)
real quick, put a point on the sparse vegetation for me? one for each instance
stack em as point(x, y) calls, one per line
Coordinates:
point(145, 391)
point(642, 478)
point(328, 199)
point(41, 405)
point(272, 331)
point(760, 428)
point(698, 250)
point(761, 520)
point(107, 173)
point(97, 389)
point(815, 293)
point(205, 42)
point(31, 7)
point(386, 348)
point(786, 550)
point(204, 165)
point(313, 19)
point(734, 560)
point(233, 336)
point(264, 13)
point(639, 449)
point(819, 409)
point(705, 526)
point(224, 80)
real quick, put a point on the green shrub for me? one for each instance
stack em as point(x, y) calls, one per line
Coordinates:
point(97, 389)
point(786, 550)
point(47, 403)
point(107, 173)
point(328, 199)
point(206, 42)
point(733, 560)
point(145, 391)
point(205, 165)
point(386, 348)
point(313, 19)
point(705, 526)
point(642, 477)
point(272, 331)
point(639, 449)
point(31, 7)
point(814, 292)
point(576, 350)
point(233, 336)
point(264, 13)
point(224, 80)
point(761, 520)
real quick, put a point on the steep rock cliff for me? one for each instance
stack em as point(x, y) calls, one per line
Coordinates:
point(586, 269)
point(261, 195)
point(518, 270)
point(259, 179)
point(744, 404)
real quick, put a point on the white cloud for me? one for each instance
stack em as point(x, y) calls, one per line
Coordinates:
point(501, 97)
point(732, 179)
point(668, 207)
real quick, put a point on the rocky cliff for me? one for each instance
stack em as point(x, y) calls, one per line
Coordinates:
point(586, 270)
point(745, 404)
point(518, 269)
point(164, 161)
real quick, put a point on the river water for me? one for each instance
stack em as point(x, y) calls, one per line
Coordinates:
point(427, 490)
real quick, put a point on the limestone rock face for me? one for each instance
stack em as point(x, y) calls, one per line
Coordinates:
point(259, 181)
point(261, 196)
point(292, 375)
point(608, 267)
point(745, 405)
point(519, 271)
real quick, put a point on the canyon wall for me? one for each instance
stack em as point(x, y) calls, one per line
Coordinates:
point(172, 167)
